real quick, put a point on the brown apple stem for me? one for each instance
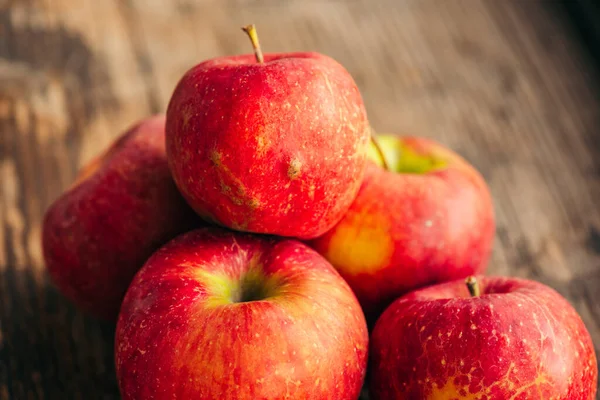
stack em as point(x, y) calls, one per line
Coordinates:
point(473, 286)
point(377, 146)
point(251, 32)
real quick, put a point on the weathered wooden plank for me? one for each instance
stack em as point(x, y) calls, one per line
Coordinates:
point(506, 84)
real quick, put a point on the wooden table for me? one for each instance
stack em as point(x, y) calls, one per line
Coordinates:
point(507, 84)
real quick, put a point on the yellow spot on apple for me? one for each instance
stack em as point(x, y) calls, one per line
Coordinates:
point(361, 243)
point(294, 169)
point(215, 157)
point(311, 192)
point(452, 392)
point(224, 187)
point(261, 145)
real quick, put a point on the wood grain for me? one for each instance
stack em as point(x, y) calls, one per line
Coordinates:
point(505, 83)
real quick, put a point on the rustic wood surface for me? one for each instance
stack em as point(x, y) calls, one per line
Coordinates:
point(505, 83)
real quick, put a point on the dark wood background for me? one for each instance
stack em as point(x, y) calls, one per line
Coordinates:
point(507, 84)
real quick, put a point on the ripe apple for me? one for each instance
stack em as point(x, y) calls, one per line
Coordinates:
point(216, 314)
point(426, 218)
point(123, 206)
point(276, 145)
point(504, 338)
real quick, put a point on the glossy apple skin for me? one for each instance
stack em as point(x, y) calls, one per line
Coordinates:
point(405, 230)
point(180, 336)
point(123, 207)
point(519, 340)
point(276, 148)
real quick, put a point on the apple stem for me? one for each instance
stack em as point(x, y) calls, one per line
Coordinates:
point(251, 32)
point(377, 146)
point(473, 286)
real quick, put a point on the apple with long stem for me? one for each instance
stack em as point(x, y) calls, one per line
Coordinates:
point(272, 143)
point(493, 338)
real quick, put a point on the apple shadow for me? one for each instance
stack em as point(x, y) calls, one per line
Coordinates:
point(50, 349)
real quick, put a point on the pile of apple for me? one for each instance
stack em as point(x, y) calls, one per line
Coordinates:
point(260, 242)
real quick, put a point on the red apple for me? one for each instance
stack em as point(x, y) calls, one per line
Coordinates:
point(276, 147)
point(216, 314)
point(510, 339)
point(428, 218)
point(123, 206)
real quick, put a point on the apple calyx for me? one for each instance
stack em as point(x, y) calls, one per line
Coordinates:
point(379, 150)
point(251, 32)
point(254, 286)
point(473, 286)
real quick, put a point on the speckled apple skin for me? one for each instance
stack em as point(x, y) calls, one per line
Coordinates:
point(123, 206)
point(276, 148)
point(178, 338)
point(404, 231)
point(520, 340)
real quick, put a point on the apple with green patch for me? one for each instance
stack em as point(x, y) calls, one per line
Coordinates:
point(423, 215)
point(216, 314)
point(493, 338)
point(271, 144)
point(123, 206)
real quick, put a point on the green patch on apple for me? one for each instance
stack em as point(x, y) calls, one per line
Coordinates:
point(401, 158)
point(252, 285)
